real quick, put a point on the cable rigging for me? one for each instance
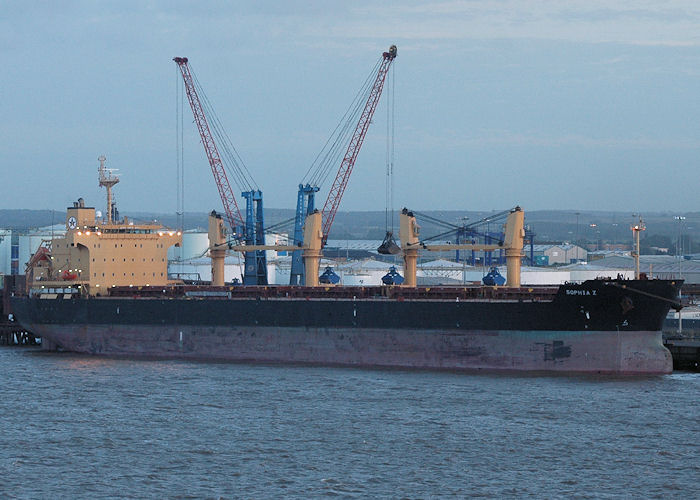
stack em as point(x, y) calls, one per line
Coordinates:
point(233, 162)
point(180, 161)
point(451, 228)
point(390, 115)
point(389, 245)
point(329, 156)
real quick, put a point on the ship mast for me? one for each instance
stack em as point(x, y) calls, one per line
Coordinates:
point(107, 180)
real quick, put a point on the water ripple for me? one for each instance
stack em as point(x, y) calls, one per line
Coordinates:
point(82, 427)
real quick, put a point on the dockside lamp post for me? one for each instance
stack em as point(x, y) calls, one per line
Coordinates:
point(679, 244)
point(636, 229)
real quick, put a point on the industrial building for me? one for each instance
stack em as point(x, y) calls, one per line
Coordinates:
point(565, 253)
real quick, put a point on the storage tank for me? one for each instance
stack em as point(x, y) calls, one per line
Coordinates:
point(194, 244)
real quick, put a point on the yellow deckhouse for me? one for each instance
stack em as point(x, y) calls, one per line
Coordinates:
point(95, 255)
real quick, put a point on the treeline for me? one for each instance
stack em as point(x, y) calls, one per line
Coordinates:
point(587, 228)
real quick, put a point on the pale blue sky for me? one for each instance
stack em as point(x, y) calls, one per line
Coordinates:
point(550, 105)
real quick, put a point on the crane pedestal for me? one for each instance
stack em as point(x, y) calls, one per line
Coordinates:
point(217, 248)
point(313, 241)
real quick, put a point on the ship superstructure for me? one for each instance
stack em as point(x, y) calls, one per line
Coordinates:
point(97, 254)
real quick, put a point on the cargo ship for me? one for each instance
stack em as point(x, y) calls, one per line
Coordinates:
point(103, 289)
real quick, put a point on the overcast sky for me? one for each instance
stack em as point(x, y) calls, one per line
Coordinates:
point(550, 105)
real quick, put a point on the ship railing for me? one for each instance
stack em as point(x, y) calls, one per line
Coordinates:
point(188, 278)
point(54, 291)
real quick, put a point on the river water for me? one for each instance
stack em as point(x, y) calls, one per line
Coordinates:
point(75, 426)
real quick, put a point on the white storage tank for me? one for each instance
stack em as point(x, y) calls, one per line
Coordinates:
point(194, 244)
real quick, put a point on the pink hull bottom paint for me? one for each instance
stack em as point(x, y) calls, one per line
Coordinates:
point(628, 352)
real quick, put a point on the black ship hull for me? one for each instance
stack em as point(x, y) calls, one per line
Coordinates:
point(599, 326)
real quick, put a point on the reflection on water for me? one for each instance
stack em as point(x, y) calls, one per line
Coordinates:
point(93, 427)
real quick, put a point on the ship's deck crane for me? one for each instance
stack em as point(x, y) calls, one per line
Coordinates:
point(249, 229)
point(469, 234)
point(512, 243)
point(306, 194)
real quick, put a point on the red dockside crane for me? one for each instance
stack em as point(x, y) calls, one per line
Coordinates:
point(233, 214)
point(341, 179)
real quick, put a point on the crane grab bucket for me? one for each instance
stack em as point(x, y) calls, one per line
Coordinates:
point(389, 246)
